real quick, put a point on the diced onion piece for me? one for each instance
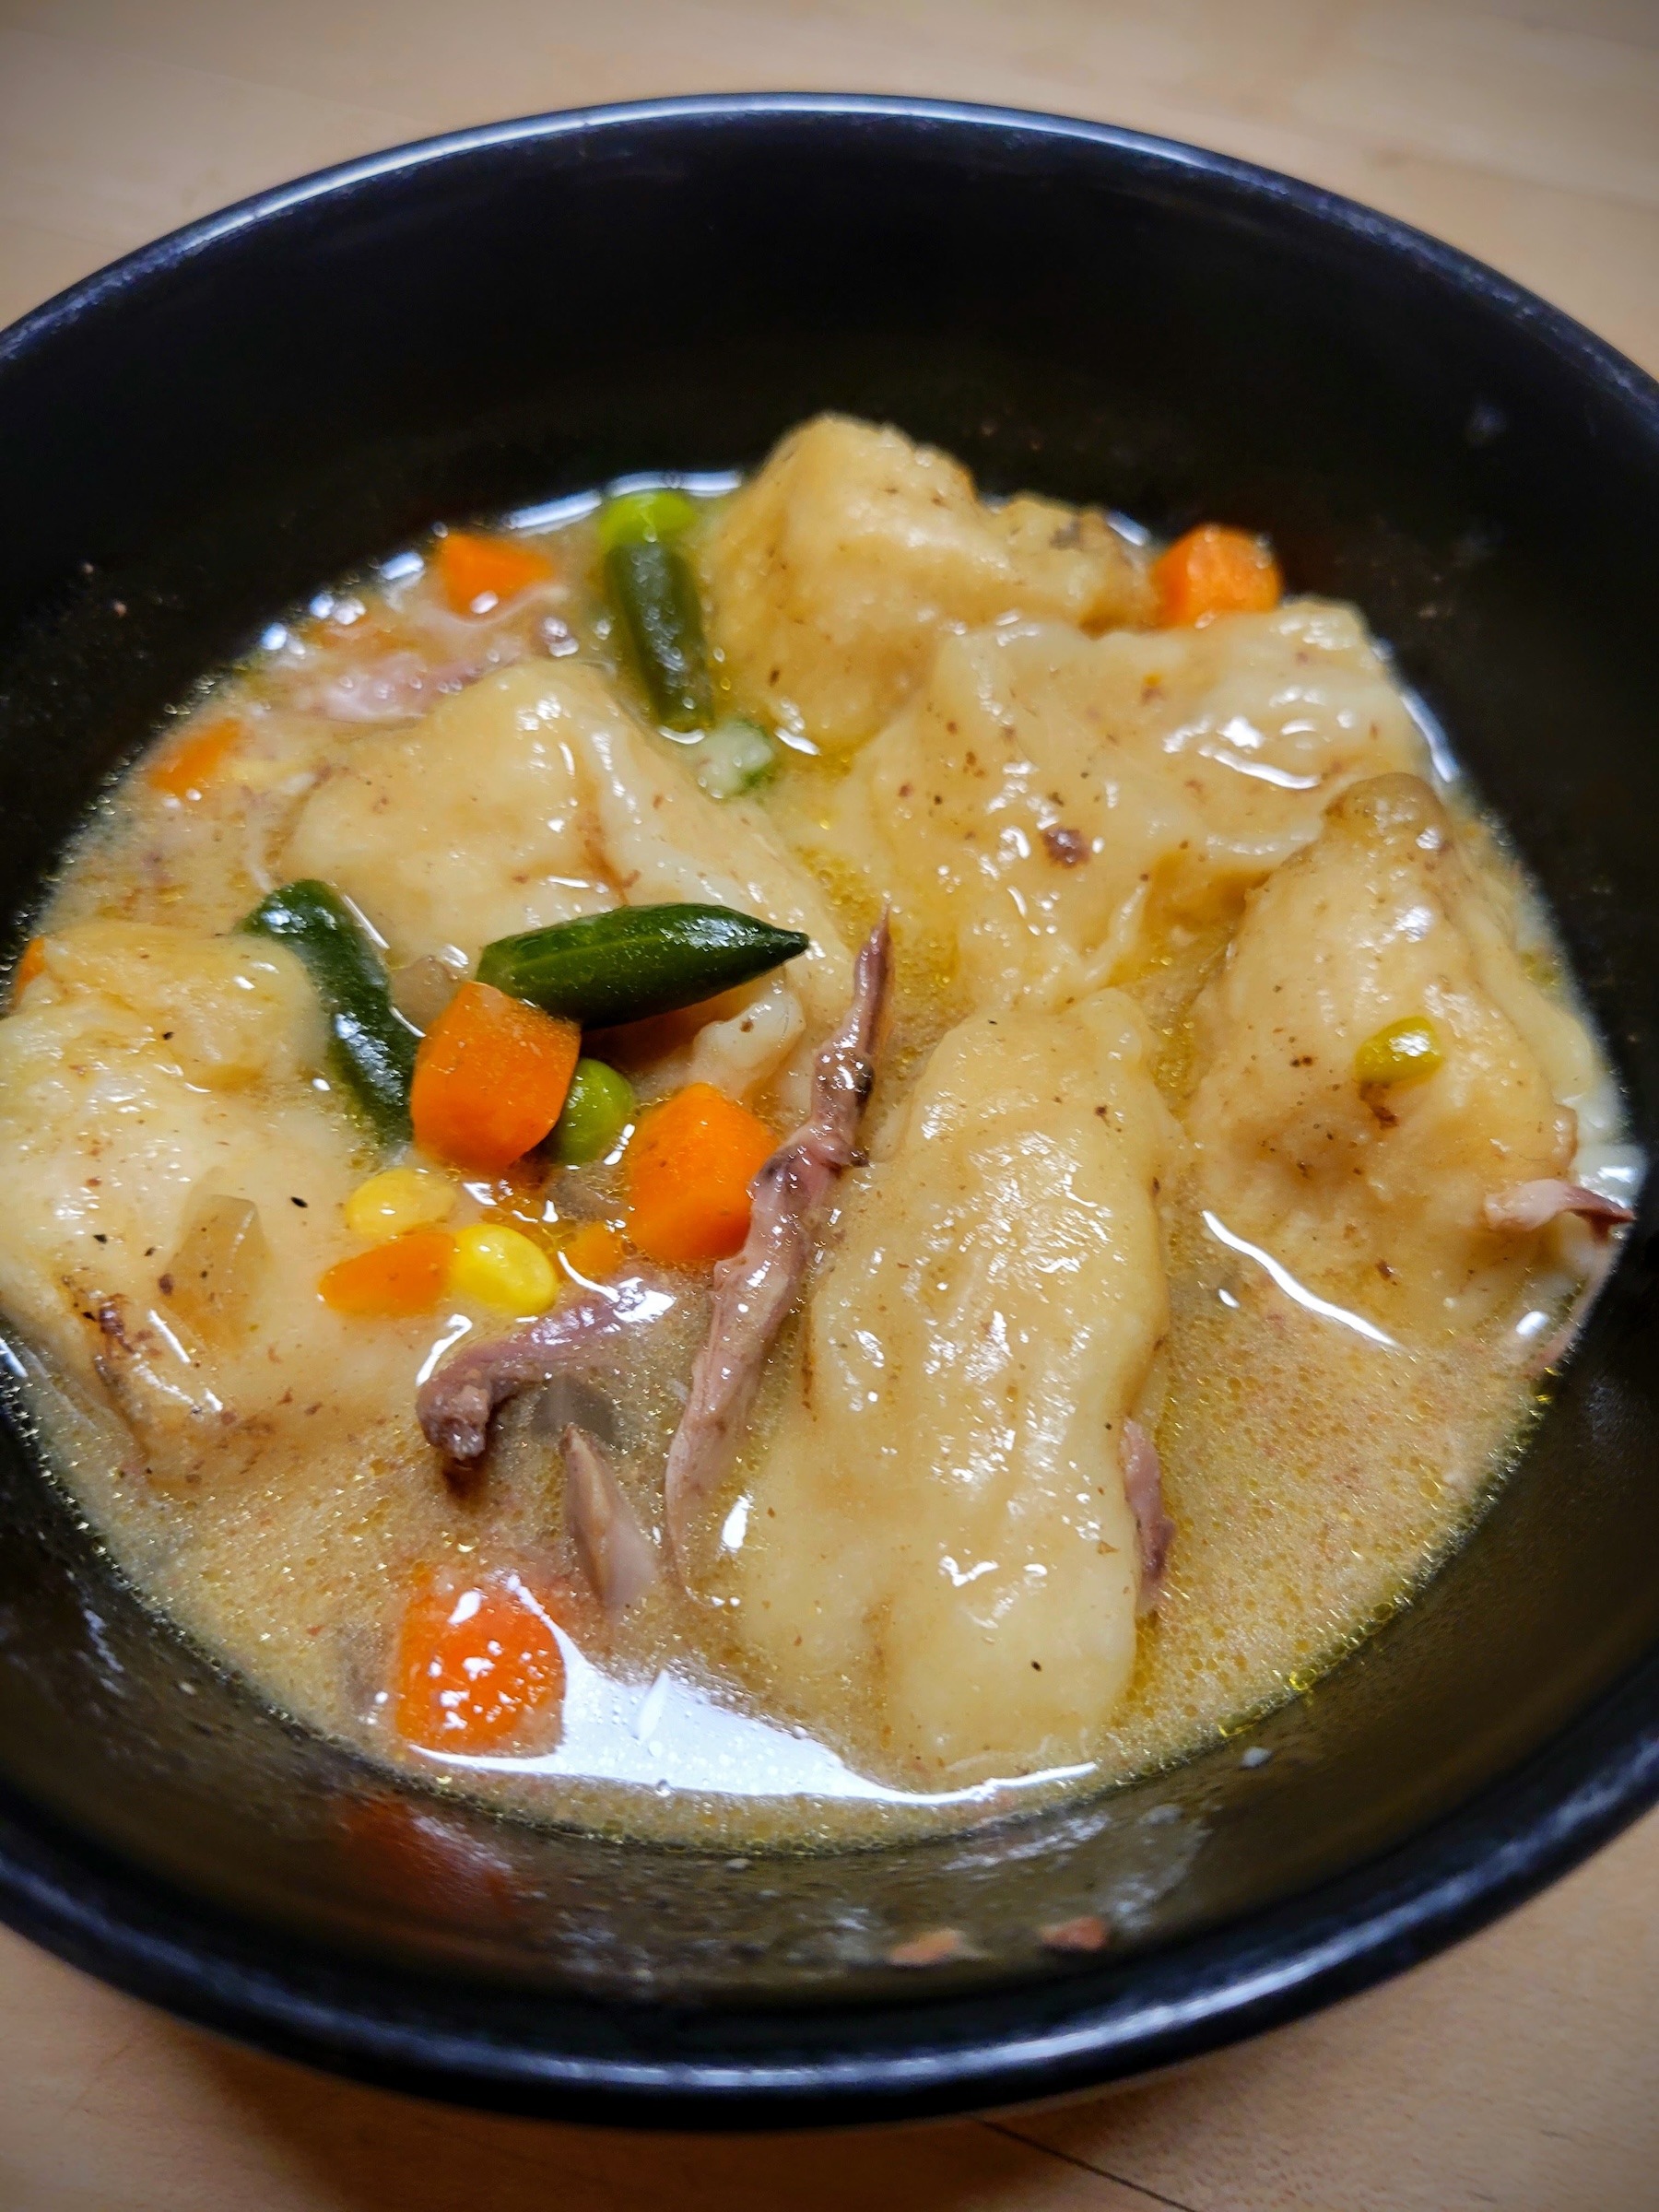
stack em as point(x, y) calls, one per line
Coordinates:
point(214, 1275)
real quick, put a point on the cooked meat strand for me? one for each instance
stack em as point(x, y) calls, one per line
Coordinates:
point(757, 1287)
point(616, 1555)
point(1143, 1486)
point(1527, 1206)
point(453, 1407)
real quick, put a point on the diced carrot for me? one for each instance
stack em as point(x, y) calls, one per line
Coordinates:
point(476, 1666)
point(405, 1274)
point(593, 1252)
point(471, 568)
point(186, 771)
point(1213, 571)
point(490, 1077)
point(689, 1166)
point(519, 1200)
point(31, 962)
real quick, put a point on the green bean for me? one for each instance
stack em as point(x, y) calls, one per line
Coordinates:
point(654, 590)
point(638, 517)
point(371, 1047)
point(636, 960)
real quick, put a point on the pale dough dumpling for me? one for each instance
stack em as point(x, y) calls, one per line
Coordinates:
point(1376, 1197)
point(939, 1568)
point(1048, 793)
point(834, 572)
point(535, 796)
point(147, 1074)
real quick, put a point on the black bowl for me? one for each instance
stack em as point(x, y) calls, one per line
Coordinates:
point(203, 433)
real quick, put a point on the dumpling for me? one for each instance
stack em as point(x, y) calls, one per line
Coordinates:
point(1376, 1193)
point(470, 825)
point(535, 796)
point(834, 572)
point(933, 1561)
point(1048, 795)
point(174, 1184)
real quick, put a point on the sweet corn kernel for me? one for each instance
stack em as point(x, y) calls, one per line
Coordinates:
point(1405, 1052)
point(594, 1251)
point(499, 1266)
point(396, 1200)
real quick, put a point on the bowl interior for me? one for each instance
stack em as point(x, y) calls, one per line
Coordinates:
point(193, 443)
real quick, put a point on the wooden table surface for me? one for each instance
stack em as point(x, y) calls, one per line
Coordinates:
point(1521, 2071)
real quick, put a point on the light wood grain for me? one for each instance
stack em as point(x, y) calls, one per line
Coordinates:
point(1518, 2072)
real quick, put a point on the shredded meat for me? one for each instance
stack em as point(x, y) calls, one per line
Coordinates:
point(757, 1288)
point(616, 1555)
point(453, 1407)
point(1143, 1486)
point(1528, 1206)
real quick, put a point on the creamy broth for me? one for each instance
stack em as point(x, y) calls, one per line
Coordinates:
point(1238, 1154)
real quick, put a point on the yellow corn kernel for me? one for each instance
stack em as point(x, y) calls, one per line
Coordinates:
point(594, 1251)
point(494, 1266)
point(1407, 1052)
point(398, 1200)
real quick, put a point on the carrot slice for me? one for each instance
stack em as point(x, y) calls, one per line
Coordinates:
point(471, 568)
point(405, 1274)
point(474, 1666)
point(31, 962)
point(186, 771)
point(593, 1252)
point(491, 1077)
point(1213, 571)
point(689, 1166)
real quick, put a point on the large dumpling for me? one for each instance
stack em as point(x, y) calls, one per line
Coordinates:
point(1048, 797)
point(1381, 1194)
point(835, 571)
point(935, 1563)
point(535, 796)
point(174, 1182)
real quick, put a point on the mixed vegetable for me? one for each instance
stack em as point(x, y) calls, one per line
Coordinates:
point(654, 590)
point(371, 1047)
point(499, 1073)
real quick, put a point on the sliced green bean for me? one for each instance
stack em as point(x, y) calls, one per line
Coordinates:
point(655, 594)
point(371, 1047)
point(639, 517)
point(636, 960)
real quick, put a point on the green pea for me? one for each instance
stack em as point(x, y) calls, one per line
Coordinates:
point(598, 1108)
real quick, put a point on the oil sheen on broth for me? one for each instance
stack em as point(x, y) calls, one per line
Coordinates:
point(1237, 1158)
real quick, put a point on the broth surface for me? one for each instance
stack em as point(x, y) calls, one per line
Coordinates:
point(1162, 892)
